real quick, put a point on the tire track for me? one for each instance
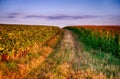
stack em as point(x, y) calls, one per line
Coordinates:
point(70, 61)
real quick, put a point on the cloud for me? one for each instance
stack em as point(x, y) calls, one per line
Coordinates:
point(13, 15)
point(34, 16)
point(10, 16)
point(61, 17)
point(115, 17)
point(50, 17)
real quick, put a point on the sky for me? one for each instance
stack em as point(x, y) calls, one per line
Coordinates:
point(60, 12)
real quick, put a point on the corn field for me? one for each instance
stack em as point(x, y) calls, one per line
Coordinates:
point(103, 38)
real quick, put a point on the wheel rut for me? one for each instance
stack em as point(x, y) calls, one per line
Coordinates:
point(70, 61)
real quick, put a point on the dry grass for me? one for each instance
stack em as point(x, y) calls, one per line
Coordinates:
point(71, 61)
point(19, 68)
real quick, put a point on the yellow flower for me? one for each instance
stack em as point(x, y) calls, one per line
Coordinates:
point(1, 48)
point(0, 37)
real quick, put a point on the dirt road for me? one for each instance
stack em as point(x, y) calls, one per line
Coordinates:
point(68, 61)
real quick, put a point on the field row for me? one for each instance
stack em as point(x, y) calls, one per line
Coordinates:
point(103, 38)
point(18, 38)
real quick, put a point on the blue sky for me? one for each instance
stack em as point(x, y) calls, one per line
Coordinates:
point(60, 12)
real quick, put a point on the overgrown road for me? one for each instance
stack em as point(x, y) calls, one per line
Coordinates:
point(68, 61)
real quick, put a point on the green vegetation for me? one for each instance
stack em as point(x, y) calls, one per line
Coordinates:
point(24, 47)
point(99, 41)
point(16, 39)
point(49, 52)
point(103, 50)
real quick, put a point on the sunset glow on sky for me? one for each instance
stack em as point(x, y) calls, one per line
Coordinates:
point(60, 12)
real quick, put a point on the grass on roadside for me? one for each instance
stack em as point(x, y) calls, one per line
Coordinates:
point(98, 60)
